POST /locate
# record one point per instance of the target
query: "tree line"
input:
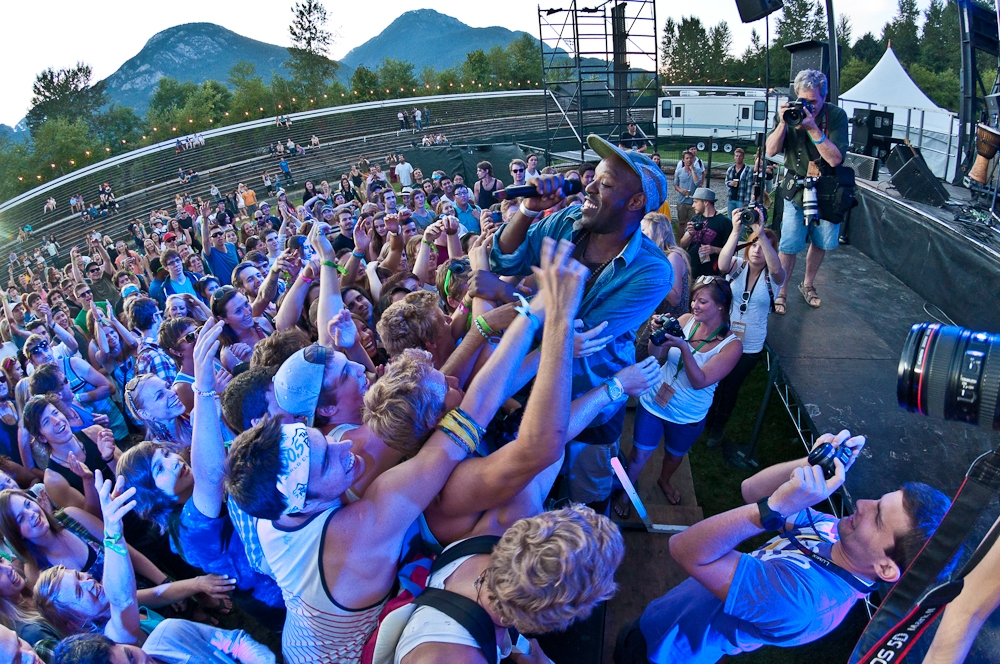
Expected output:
(692, 52)
(71, 123)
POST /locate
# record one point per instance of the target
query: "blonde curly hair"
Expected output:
(410, 322)
(403, 407)
(550, 570)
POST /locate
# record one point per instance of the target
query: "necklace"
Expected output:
(65, 462)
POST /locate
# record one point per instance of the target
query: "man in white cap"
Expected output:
(629, 276)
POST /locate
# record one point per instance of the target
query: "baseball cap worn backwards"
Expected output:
(299, 381)
(654, 182)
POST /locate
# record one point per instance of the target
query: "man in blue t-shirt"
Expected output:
(779, 595)
(220, 256)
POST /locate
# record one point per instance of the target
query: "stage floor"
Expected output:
(841, 360)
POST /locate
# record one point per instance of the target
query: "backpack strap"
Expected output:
(468, 614)
(470, 547)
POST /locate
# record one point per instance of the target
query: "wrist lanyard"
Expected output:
(680, 363)
(832, 567)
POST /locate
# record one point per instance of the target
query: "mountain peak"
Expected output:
(189, 52)
(427, 37)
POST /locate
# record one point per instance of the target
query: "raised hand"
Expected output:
(115, 502)
(550, 188)
(241, 351)
(321, 243)
(640, 377)
(479, 252)
(844, 438)
(80, 469)
(434, 230)
(450, 224)
(589, 342)
(488, 286)
(106, 443)
(363, 236)
(806, 487)
(392, 223)
(560, 279)
(342, 329)
(205, 348)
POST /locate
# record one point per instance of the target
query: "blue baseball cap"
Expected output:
(654, 182)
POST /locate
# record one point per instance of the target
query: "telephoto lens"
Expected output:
(951, 373)
(824, 455)
(793, 114)
(810, 202)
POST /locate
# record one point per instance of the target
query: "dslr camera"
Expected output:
(824, 456)
(670, 326)
(795, 112)
(755, 213)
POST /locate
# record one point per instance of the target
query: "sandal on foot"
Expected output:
(811, 298)
(779, 305)
(622, 506)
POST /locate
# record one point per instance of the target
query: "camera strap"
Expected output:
(680, 363)
(831, 567)
(908, 610)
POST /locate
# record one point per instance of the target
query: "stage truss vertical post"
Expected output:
(599, 68)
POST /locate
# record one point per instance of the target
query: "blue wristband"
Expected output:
(821, 139)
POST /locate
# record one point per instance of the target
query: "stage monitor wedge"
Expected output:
(752, 10)
(900, 154)
(915, 182)
(864, 166)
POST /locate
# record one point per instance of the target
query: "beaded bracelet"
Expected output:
(204, 393)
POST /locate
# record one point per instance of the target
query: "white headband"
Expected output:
(294, 475)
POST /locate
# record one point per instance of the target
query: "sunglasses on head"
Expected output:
(221, 292)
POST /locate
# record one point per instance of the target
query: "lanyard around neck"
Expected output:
(680, 363)
(832, 567)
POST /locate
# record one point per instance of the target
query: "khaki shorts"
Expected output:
(588, 469)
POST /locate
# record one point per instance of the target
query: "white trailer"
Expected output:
(730, 116)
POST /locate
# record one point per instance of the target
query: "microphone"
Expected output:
(570, 187)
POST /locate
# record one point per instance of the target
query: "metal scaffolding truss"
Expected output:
(599, 68)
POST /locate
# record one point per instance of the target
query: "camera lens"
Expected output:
(748, 217)
(951, 373)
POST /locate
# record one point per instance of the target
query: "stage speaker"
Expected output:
(864, 166)
(751, 10)
(869, 126)
(808, 54)
(915, 182)
(900, 154)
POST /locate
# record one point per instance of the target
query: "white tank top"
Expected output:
(317, 629)
(688, 405)
(428, 625)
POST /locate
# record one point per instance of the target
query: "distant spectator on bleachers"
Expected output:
(268, 183)
(314, 141)
(418, 119)
(50, 205)
(271, 149)
(404, 170)
(286, 172)
(283, 120)
(402, 120)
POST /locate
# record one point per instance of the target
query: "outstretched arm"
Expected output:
(119, 577)
(482, 483)
(208, 455)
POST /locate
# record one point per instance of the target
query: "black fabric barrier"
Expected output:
(953, 265)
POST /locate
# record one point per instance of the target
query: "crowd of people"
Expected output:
(379, 419)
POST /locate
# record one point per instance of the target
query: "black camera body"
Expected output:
(795, 112)
(755, 213)
(699, 224)
(670, 326)
(824, 456)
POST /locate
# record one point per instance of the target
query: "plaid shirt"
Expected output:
(150, 358)
(743, 191)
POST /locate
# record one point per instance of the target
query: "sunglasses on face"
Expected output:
(192, 336)
(39, 348)
(85, 293)
(215, 235)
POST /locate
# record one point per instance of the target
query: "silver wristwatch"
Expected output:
(615, 388)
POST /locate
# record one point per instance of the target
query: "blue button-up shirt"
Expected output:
(625, 294)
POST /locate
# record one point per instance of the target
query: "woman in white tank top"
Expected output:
(675, 408)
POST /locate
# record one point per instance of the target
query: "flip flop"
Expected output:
(667, 496)
(779, 305)
(810, 296)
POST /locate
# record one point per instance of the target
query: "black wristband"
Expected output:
(769, 519)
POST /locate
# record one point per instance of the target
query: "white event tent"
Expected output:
(934, 130)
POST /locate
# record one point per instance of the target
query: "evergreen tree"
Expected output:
(940, 50)
(844, 39)
(718, 54)
(396, 76)
(364, 84)
(66, 93)
(867, 49)
(901, 32)
(311, 68)
(525, 59)
(250, 94)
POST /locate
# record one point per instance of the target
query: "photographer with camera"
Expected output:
(696, 352)
(797, 587)
(755, 277)
(705, 234)
(813, 137)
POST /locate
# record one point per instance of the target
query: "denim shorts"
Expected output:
(648, 429)
(794, 232)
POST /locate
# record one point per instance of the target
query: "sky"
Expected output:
(106, 33)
